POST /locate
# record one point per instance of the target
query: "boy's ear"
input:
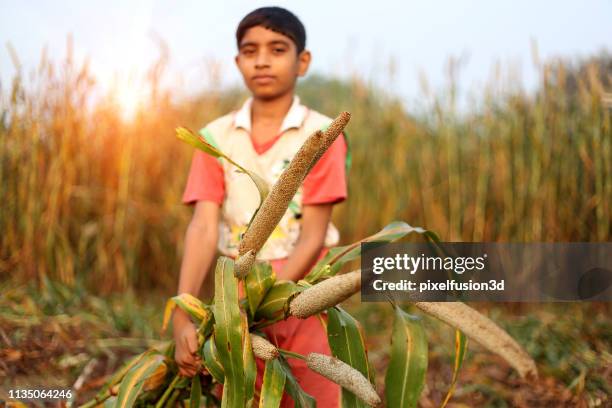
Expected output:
(304, 62)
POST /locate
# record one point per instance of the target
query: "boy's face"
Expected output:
(269, 63)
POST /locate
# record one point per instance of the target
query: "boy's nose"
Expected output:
(262, 60)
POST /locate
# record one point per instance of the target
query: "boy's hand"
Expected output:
(186, 339)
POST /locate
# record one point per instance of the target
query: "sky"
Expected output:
(392, 43)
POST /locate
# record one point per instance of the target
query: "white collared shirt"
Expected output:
(293, 119)
(231, 134)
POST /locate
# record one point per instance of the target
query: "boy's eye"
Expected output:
(279, 50)
(248, 51)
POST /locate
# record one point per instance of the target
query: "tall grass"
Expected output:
(89, 195)
(520, 168)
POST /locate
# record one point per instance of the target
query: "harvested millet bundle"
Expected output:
(262, 348)
(344, 375)
(325, 294)
(483, 330)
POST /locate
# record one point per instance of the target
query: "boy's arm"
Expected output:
(206, 189)
(200, 247)
(315, 219)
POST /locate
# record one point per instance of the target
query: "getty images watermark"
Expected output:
(411, 264)
(505, 272)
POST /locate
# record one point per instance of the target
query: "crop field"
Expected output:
(93, 226)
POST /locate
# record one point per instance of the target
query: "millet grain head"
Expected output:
(274, 206)
(344, 375)
(325, 294)
(262, 348)
(243, 264)
(331, 134)
(483, 330)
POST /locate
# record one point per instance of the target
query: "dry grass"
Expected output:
(89, 196)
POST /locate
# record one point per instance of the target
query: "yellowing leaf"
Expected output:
(273, 385)
(258, 282)
(188, 303)
(134, 380)
(460, 350)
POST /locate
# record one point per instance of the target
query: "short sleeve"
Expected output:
(326, 182)
(205, 181)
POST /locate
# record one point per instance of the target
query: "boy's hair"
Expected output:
(276, 19)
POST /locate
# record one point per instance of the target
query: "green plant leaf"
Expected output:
(301, 398)
(211, 360)
(228, 333)
(110, 403)
(132, 383)
(273, 304)
(198, 142)
(195, 394)
(338, 256)
(460, 351)
(405, 375)
(273, 385)
(258, 282)
(346, 341)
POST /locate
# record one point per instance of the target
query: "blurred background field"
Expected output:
(92, 224)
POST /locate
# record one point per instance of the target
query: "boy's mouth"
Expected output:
(263, 79)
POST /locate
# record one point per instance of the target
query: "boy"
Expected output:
(263, 136)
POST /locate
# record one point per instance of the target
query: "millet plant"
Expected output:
(229, 328)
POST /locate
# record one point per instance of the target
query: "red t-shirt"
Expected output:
(326, 182)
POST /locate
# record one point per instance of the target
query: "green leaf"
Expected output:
(273, 385)
(212, 361)
(228, 333)
(460, 351)
(273, 304)
(132, 383)
(110, 403)
(258, 282)
(196, 392)
(198, 142)
(346, 342)
(300, 397)
(338, 256)
(405, 376)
